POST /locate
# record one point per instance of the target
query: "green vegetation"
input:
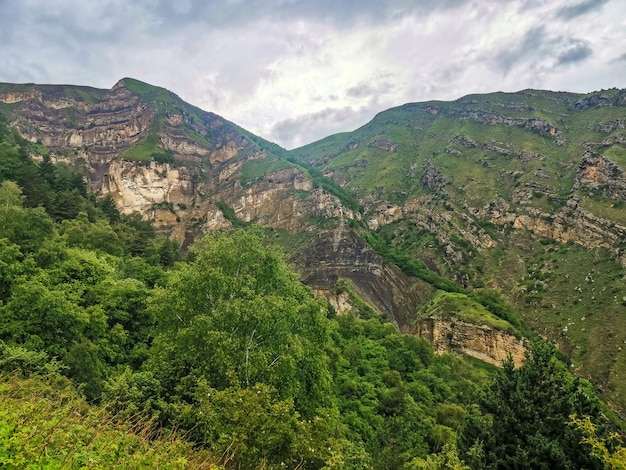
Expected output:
(494, 169)
(456, 305)
(410, 265)
(229, 214)
(162, 98)
(519, 421)
(254, 170)
(44, 423)
(147, 150)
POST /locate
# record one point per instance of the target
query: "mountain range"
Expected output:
(476, 223)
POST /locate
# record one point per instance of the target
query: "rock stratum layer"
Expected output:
(479, 341)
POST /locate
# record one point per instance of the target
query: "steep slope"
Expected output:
(520, 192)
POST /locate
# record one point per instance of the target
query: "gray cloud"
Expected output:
(577, 51)
(295, 132)
(537, 46)
(531, 44)
(343, 13)
(110, 19)
(621, 58)
(297, 70)
(368, 90)
(582, 8)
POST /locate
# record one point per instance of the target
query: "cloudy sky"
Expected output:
(294, 71)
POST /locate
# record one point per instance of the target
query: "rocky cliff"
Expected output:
(160, 157)
(187, 170)
(340, 254)
(479, 341)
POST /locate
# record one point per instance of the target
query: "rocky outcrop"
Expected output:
(599, 100)
(141, 188)
(341, 254)
(479, 341)
(610, 126)
(523, 155)
(274, 201)
(384, 214)
(99, 131)
(569, 224)
(444, 224)
(384, 144)
(432, 178)
(542, 126)
(97, 127)
(597, 172)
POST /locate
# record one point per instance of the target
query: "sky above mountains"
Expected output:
(294, 71)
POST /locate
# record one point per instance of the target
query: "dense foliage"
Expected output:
(231, 350)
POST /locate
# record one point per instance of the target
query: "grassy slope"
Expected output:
(452, 304)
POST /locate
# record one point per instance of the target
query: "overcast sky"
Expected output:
(294, 71)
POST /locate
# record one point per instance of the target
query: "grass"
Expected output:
(540, 279)
(44, 424)
(147, 150)
(447, 305)
(579, 300)
(162, 98)
(606, 208)
(254, 170)
(229, 214)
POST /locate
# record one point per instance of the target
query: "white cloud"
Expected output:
(297, 71)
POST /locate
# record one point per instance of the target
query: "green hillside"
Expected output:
(469, 173)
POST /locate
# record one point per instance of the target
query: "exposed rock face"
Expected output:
(99, 131)
(385, 144)
(479, 341)
(542, 127)
(138, 188)
(610, 126)
(384, 215)
(598, 172)
(273, 201)
(341, 254)
(523, 155)
(570, 223)
(601, 100)
(429, 218)
(432, 179)
(96, 126)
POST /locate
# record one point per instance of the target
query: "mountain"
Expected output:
(474, 223)
(519, 192)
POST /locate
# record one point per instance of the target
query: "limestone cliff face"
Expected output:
(570, 223)
(599, 173)
(479, 341)
(139, 188)
(93, 128)
(98, 131)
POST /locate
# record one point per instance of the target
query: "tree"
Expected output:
(238, 316)
(237, 324)
(523, 414)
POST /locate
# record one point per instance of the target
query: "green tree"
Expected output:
(522, 422)
(236, 322)
(237, 316)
